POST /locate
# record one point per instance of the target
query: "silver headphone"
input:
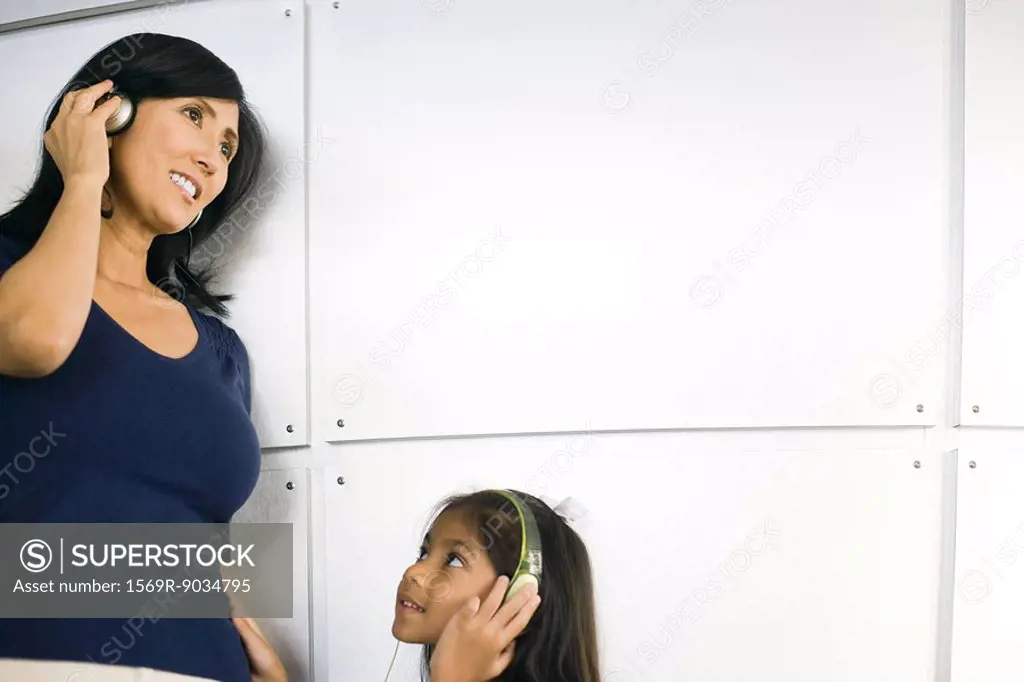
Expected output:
(120, 120)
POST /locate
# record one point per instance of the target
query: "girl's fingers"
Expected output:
(493, 601)
(515, 605)
(518, 623)
(503, 661)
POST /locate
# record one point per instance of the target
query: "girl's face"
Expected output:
(452, 568)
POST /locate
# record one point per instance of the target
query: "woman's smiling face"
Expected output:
(173, 160)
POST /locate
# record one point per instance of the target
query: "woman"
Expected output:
(143, 397)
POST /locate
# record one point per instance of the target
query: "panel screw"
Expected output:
(287, 12)
(975, 409)
(920, 408)
(289, 428)
(290, 485)
(341, 480)
(917, 464)
(973, 464)
(341, 423)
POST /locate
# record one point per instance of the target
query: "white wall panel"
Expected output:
(810, 564)
(283, 496)
(992, 309)
(29, 10)
(644, 215)
(988, 616)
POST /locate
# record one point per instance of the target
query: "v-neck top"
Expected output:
(122, 434)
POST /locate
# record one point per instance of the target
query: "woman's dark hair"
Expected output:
(153, 65)
(560, 642)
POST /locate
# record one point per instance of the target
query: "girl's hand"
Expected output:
(77, 139)
(478, 642)
(263, 660)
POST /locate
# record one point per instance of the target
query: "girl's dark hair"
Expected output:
(153, 65)
(560, 642)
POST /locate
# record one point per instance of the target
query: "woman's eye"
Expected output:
(455, 557)
(194, 114)
(226, 150)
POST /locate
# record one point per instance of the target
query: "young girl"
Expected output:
(450, 599)
(475, 540)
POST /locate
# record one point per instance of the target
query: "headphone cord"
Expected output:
(393, 656)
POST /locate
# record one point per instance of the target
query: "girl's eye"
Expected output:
(226, 150)
(421, 554)
(198, 115)
(455, 557)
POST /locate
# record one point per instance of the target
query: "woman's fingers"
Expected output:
(84, 100)
(256, 646)
(256, 626)
(107, 109)
(264, 662)
(250, 625)
(245, 629)
(77, 140)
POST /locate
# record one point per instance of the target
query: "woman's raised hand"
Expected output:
(77, 139)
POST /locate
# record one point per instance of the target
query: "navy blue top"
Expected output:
(124, 434)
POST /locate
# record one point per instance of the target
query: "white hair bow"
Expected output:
(569, 509)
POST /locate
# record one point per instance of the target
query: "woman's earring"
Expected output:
(195, 220)
(106, 207)
(188, 254)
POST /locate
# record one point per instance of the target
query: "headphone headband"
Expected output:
(530, 565)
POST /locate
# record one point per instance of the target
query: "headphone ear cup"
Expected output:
(521, 581)
(121, 119)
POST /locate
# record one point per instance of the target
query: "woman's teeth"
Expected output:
(184, 183)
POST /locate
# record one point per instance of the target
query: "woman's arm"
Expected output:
(46, 295)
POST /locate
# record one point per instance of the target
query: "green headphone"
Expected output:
(530, 557)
